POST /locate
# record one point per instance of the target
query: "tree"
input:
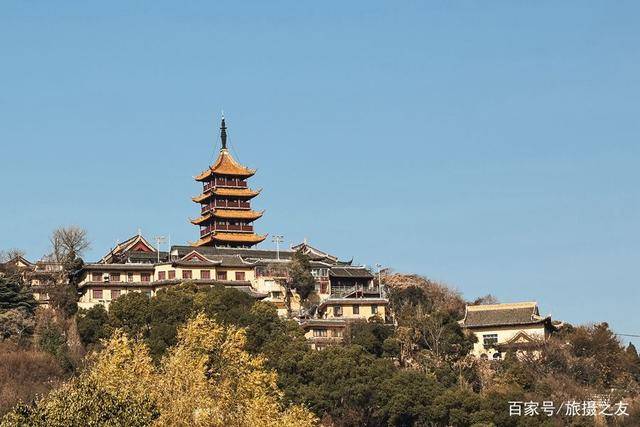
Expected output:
(11, 254)
(51, 336)
(485, 300)
(131, 312)
(206, 379)
(341, 385)
(68, 243)
(16, 324)
(370, 335)
(406, 398)
(93, 325)
(82, 402)
(64, 298)
(299, 272)
(13, 295)
(219, 383)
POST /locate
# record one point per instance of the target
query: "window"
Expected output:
(129, 277)
(221, 275)
(319, 332)
(172, 274)
(239, 275)
(162, 275)
(115, 293)
(186, 274)
(97, 294)
(490, 339)
(276, 294)
(337, 333)
(96, 277)
(356, 309)
(205, 274)
(374, 309)
(145, 277)
(114, 277)
(337, 311)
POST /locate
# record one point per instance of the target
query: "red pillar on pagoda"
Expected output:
(225, 203)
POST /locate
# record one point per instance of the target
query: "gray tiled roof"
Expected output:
(359, 273)
(502, 314)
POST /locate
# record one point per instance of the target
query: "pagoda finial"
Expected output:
(223, 133)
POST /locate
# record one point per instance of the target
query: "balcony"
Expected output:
(225, 182)
(238, 204)
(233, 228)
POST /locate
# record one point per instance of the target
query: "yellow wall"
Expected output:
(505, 333)
(87, 300)
(347, 311)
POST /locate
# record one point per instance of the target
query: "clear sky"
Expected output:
(490, 145)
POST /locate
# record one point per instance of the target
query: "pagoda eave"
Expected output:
(209, 173)
(236, 238)
(237, 214)
(236, 192)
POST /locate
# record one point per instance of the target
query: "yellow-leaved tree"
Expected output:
(206, 379)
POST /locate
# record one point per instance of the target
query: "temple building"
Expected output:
(225, 203)
(500, 328)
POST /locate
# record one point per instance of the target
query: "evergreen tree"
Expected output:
(13, 295)
(302, 281)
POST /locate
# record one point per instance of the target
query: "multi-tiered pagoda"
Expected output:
(227, 217)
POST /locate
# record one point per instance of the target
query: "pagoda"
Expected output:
(226, 216)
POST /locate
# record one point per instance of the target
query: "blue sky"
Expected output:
(493, 146)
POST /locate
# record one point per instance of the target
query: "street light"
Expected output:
(159, 239)
(277, 239)
(379, 267)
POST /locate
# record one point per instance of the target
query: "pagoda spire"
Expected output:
(223, 133)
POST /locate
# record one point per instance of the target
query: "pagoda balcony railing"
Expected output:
(231, 204)
(222, 182)
(229, 227)
(219, 227)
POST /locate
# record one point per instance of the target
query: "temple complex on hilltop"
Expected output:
(225, 256)
(226, 216)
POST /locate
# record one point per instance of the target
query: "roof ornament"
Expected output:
(223, 133)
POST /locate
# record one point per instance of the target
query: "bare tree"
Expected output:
(11, 254)
(485, 300)
(68, 242)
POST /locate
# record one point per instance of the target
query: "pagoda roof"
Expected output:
(229, 214)
(230, 192)
(225, 164)
(236, 192)
(248, 238)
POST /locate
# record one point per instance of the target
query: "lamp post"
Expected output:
(277, 239)
(379, 267)
(159, 239)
